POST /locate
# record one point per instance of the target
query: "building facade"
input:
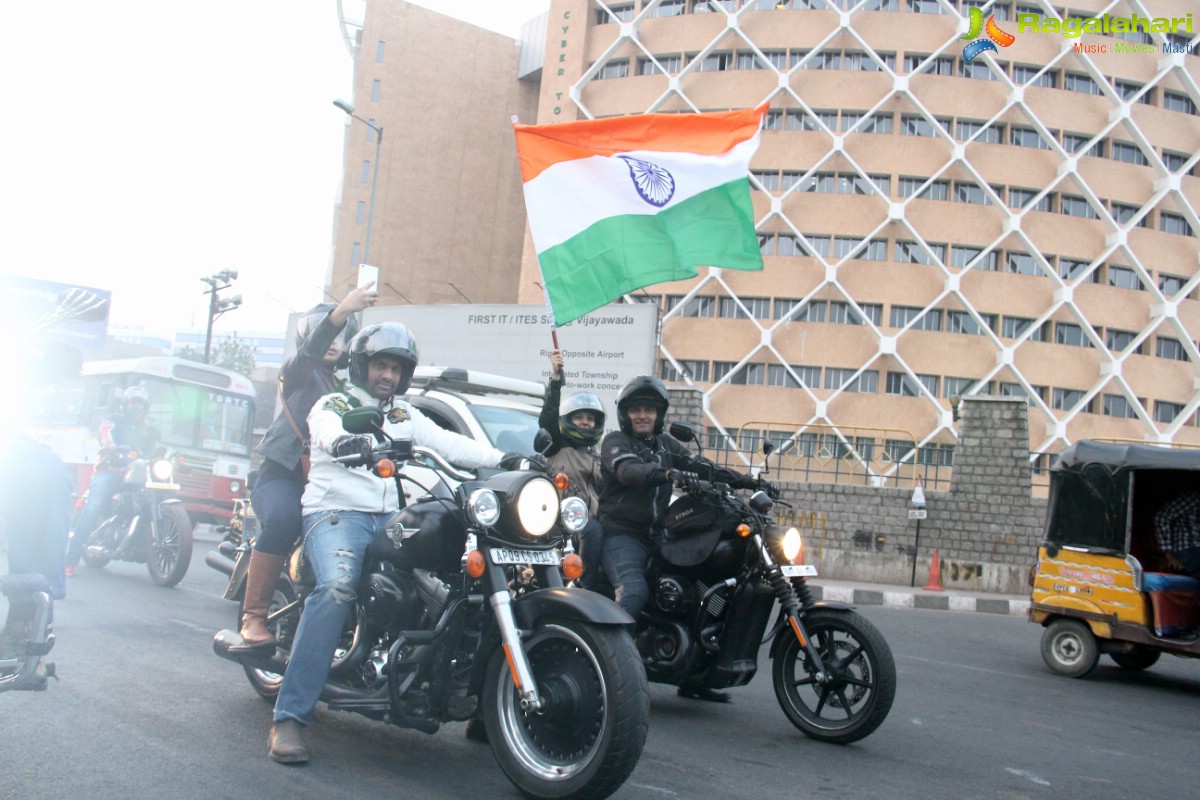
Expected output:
(944, 209)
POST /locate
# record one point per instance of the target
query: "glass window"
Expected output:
(716, 62)
(979, 70)
(970, 193)
(1170, 285)
(1124, 213)
(1166, 347)
(915, 125)
(749, 60)
(749, 375)
(1077, 143)
(669, 8)
(355, 254)
(1031, 75)
(922, 319)
(1024, 198)
(1067, 399)
(721, 369)
(759, 308)
(867, 381)
(1174, 161)
(364, 175)
(843, 313)
(768, 180)
(1070, 268)
(360, 212)
(1176, 101)
(696, 370)
(963, 322)
(1078, 82)
(1015, 327)
(777, 59)
(812, 311)
(1021, 263)
(1026, 137)
(379, 46)
(899, 383)
(1166, 412)
(962, 256)
(1124, 278)
(614, 69)
(819, 244)
(1117, 340)
(1174, 223)
(1129, 153)
(1075, 206)
(622, 13)
(913, 253)
(810, 375)
(965, 129)
(375, 91)
(1070, 333)
(1117, 405)
(696, 307)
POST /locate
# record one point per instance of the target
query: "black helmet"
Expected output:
(581, 401)
(383, 339)
(311, 318)
(647, 389)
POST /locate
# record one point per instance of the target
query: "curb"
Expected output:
(910, 599)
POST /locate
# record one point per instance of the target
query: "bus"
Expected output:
(204, 414)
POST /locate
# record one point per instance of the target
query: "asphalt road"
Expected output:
(144, 710)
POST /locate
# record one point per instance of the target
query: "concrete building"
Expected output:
(934, 223)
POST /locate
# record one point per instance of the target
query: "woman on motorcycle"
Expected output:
(321, 337)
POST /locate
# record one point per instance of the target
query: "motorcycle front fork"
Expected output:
(510, 638)
(790, 610)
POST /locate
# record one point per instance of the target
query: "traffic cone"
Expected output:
(935, 574)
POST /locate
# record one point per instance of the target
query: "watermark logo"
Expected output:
(995, 36)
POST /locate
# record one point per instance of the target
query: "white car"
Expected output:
(491, 408)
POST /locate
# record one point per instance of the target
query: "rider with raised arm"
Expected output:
(344, 509)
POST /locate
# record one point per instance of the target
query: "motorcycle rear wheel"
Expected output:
(170, 546)
(590, 736)
(265, 682)
(858, 699)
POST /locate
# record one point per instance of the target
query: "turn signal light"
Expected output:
(561, 481)
(386, 468)
(572, 567)
(475, 564)
(743, 531)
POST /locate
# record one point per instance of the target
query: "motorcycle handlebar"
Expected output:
(402, 453)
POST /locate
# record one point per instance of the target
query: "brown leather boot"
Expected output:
(285, 744)
(261, 578)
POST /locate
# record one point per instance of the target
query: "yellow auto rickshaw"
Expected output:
(1101, 583)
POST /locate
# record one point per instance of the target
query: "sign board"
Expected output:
(601, 350)
(916, 513)
(37, 308)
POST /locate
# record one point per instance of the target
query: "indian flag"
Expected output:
(620, 203)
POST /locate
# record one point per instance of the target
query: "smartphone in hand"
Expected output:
(368, 276)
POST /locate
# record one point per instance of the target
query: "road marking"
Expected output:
(1020, 773)
(190, 625)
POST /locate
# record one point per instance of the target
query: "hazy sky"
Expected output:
(149, 143)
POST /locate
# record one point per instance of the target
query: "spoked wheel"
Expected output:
(264, 681)
(170, 545)
(1069, 648)
(589, 737)
(107, 536)
(861, 684)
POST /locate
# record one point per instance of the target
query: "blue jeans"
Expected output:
(276, 503)
(624, 560)
(95, 509)
(334, 544)
(591, 550)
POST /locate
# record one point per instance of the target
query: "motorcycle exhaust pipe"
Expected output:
(219, 562)
(228, 645)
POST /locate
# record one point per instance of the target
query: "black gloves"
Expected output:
(352, 446)
(745, 482)
(512, 460)
(683, 479)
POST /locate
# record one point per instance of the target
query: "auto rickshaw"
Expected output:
(1101, 583)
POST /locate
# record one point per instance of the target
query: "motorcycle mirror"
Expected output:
(684, 431)
(367, 419)
(542, 441)
(767, 448)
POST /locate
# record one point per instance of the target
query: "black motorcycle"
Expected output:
(149, 524)
(446, 628)
(721, 568)
(28, 634)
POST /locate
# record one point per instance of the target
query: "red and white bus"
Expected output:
(205, 417)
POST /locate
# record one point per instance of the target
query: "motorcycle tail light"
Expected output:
(475, 564)
(561, 481)
(572, 567)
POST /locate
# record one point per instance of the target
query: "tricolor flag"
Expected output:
(620, 203)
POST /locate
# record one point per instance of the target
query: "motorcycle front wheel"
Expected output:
(170, 546)
(862, 677)
(589, 737)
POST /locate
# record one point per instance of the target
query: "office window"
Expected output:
(749, 375)
(375, 91)
(1166, 347)
(371, 128)
(962, 256)
(1078, 82)
(963, 322)
(970, 193)
(1067, 399)
(952, 386)
(1117, 405)
(853, 183)
(1170, 285)
(360, 212)
(696, 370)
(768, 179)
(669, 8)
(759, 307)
(922, 320)
(819, 244)
(1070, 333)
(1024, 198)
(614, 69)
(1124, 278)
(355, 254)
(1075, 206)
(1174, 161)
(842, 313)
(1123, 213)
(900, 384)
(620, 13)
(915, 125)
(1070, 268)
(1015, 327)
(1176, 101)
(716, 62)
(813, 311)
(1077, 143)
(696, 307)
(777, 59)
(749, 60)
(867, 382)
(1117, 340)
(936, 190)
(1033, 76)
(965, 129)
(1008, 389)
(379, 46)
(1021, 264)
(1166, 412)
(1127, 90)
(912, 253)
(1174, 223)
(880, 122)
(810, 375)
(364, 175)
(721, 369)
(1026, 137)
(825, 182)
(1129, 153)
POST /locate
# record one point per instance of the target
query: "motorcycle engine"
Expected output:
(674, 595)
(391, 601)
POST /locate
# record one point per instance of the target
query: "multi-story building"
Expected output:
(935, 223)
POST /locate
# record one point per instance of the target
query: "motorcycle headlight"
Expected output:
(537, 507)
(786, 544)
(574, 514)
(484, 507)
(161, 470)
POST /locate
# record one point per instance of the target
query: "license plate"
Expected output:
(506, 555)
(799, 571)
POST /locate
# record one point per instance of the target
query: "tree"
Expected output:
(228, 352)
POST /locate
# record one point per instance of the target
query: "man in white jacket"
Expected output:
(344, 509)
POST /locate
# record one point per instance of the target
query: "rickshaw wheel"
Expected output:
(1138, 658)
(1069, 648)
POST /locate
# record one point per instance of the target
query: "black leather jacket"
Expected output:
(635, 489)
(306, 378)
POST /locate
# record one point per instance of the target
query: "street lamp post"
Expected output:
(218, 305)
(349, 109)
